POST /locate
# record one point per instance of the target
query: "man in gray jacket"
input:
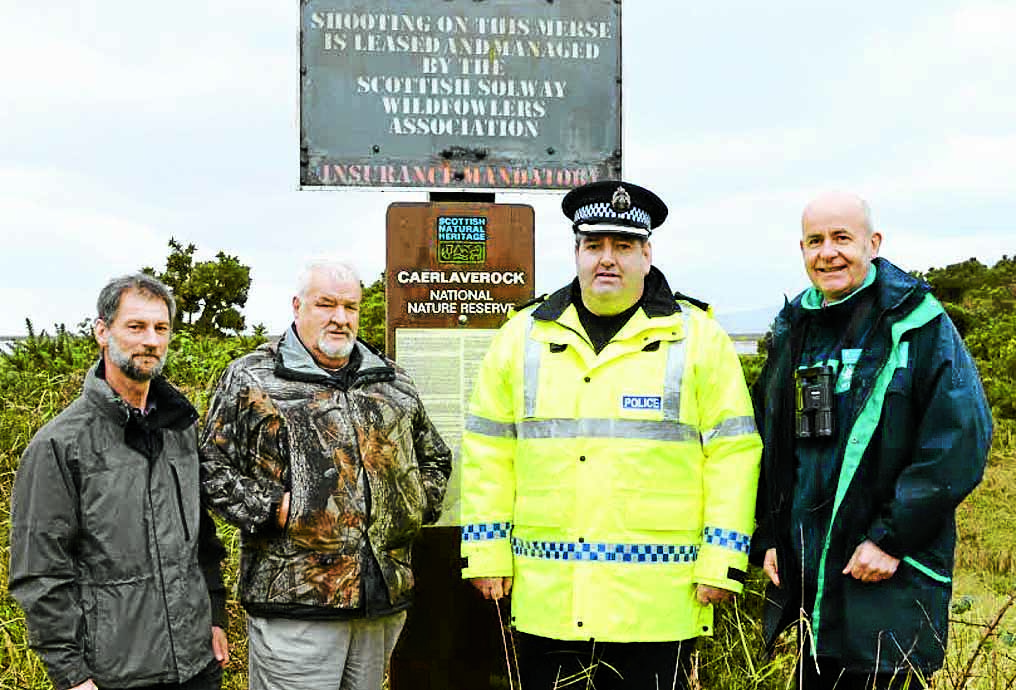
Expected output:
(318, 447)
(113, 559)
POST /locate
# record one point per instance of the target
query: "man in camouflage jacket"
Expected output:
(318, 448)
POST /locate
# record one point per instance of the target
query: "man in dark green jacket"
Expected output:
(113, 559)
(875, 427)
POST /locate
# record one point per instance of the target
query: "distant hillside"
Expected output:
(748, 321)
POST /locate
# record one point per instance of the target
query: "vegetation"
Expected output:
(372, 313)
(43, 373)
(982, 304)
(209, 294)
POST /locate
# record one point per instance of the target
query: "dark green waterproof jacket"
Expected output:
(915, 446)
(113, 559)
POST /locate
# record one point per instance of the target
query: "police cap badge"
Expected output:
(614, 207)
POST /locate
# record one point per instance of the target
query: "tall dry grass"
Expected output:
(981, 649)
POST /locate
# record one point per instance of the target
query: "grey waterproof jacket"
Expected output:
(106, 541)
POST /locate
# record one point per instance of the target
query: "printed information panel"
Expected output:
(444, 364)
(520, 94)
(454, 271)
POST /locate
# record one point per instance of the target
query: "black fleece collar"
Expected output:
(170, 409)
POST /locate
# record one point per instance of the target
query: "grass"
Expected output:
(981, 652)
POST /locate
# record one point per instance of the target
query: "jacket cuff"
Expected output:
(721, 567)
(760, 543)
(70, 675)
(881, 537)
(487, 559)
(272, 503)
(218, 602)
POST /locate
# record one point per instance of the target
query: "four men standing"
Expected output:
(609, 462)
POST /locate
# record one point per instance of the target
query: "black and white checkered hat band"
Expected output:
(603, 211)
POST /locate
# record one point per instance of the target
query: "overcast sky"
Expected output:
(126, 123)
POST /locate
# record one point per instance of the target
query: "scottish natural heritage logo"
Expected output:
(462, 239)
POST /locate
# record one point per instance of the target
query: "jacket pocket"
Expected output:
(661, 511)
(180, 502)
(898, 414)
(538, 509)
(898, 622)
(129, 635)
(405, 503)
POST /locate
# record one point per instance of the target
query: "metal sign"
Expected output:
(493, 94)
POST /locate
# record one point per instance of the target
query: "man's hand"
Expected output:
(770, 567)
(283, 510)
(87, 685)
(220, 645)
(870, 563)
(712, 595)
(493, 587)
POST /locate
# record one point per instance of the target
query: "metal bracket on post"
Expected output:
(468, 197)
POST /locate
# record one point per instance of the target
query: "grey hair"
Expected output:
(339, 269)
(110, 296)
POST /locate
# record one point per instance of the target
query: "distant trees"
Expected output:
(372, 313)
(209, 294)
(982, 303)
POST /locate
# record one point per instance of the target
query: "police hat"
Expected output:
(614, 207)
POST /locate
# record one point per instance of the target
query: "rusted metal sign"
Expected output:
(494, 94)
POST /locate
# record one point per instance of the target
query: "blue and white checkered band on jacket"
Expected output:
(603, 211)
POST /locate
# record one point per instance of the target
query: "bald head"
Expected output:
(842, 207)
(838, 243)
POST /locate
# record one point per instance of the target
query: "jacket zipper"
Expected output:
(158, 565)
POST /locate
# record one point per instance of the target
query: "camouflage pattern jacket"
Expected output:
(365, 467)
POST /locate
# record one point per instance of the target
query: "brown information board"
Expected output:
(453, 272)
(456, 264)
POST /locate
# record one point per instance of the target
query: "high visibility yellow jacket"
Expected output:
(609, 485)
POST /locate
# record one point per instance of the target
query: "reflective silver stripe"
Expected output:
(531, 370)
(607, 428)
(488, 427)
(734, 426)
(674, 373)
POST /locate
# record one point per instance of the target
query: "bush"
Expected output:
(42, 374)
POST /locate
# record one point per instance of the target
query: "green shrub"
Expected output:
(42, 374)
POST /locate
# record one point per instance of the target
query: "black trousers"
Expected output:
(831, 675)
(547, 664)
(210, 678)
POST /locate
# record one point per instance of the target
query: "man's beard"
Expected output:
(125, 363)
(336, 351)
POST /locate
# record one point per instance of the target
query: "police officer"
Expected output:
(609, 462)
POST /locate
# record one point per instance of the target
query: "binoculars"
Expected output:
(814, 413)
